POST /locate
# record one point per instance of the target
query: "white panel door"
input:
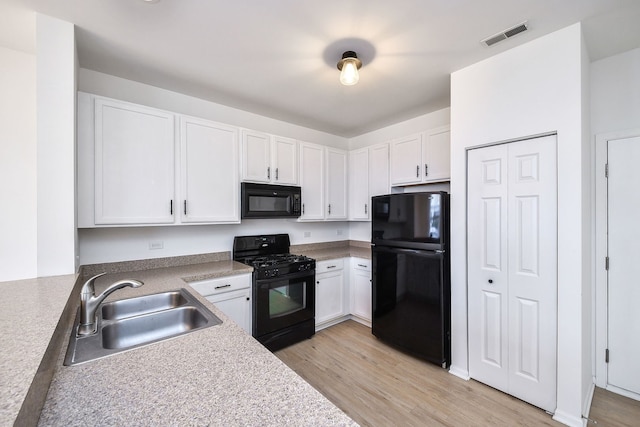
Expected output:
(512, 261)
(623, 369)
(256, 156)
(312, 181)
(487, 264)
(210, 178)
(532, 231)
(134, 164)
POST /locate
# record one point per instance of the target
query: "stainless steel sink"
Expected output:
(142, 305)
(131, 323)
(152, 327)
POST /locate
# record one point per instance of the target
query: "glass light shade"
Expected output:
(349, 74)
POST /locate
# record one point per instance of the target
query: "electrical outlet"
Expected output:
(156, 245)
(307, 234)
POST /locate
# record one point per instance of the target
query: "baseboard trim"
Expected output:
(460, 373)
(568, 419)
(587, 403)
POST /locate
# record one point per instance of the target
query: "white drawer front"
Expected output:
(329, 265)
(361, 264)
(222, 284)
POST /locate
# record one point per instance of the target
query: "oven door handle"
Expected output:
(300, 274)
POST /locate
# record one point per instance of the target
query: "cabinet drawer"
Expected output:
(222, 284)
(329, 265)
(362, 264)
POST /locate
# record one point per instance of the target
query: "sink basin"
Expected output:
(151, 327)
(142, 305)
(131, 323)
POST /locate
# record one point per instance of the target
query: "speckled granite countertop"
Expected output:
(333, 250)
(29, 312)
(215, 376)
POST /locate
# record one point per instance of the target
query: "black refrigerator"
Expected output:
(411, 294)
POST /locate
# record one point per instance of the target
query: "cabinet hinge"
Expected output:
(606, 356)
(606, 263)
(606, 170)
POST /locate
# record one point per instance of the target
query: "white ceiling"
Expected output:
(278, 58)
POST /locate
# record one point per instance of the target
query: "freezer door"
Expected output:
(411, 307)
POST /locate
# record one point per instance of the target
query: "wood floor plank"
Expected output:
(377, 385)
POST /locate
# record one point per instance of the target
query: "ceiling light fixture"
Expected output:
(349, 66)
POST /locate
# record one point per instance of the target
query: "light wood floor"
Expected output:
(379, 386)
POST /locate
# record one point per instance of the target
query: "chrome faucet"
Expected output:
(89, 303)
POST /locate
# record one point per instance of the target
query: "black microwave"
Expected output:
(270, 201)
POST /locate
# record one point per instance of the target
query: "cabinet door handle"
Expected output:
(171, 207)
(248, 298)
(303, 209)
(276, 174)
(418, 171)
(365, 209)
(185, 207)
(268, 172)
(223, 286)
(426, 170)
(329, 208)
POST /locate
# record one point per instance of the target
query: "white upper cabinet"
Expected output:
(405, 157)
(209, 166)
(368, 176)
(379, 170)
(269, 159)
(284, 168)
(134, 164)
(359, 185)
(437, 154)
(420, 158)
(256, 156)
(312, 181)
(336, 184)
(132, 171)
(323, 178)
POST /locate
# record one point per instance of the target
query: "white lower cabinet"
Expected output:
(331, 293)
(232, 295)
(360, 286)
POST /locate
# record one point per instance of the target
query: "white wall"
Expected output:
(615, 108)
(56, 95)
(127, 90)
(18, 174)
(531, 89)
(418, 124)
(615, 93)
(120, 244)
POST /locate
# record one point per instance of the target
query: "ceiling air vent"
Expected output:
(503, 35)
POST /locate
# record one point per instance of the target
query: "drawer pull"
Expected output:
(223, 286)
(331, 266)
(362, 265)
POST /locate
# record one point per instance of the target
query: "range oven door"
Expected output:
(283, 302)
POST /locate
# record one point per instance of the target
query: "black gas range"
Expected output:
(283, 289)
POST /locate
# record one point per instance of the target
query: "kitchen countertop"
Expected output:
(29, 313)
(215, 376)
(333, 250)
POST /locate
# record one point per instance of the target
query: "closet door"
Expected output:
(512, 262)
(487, 264)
